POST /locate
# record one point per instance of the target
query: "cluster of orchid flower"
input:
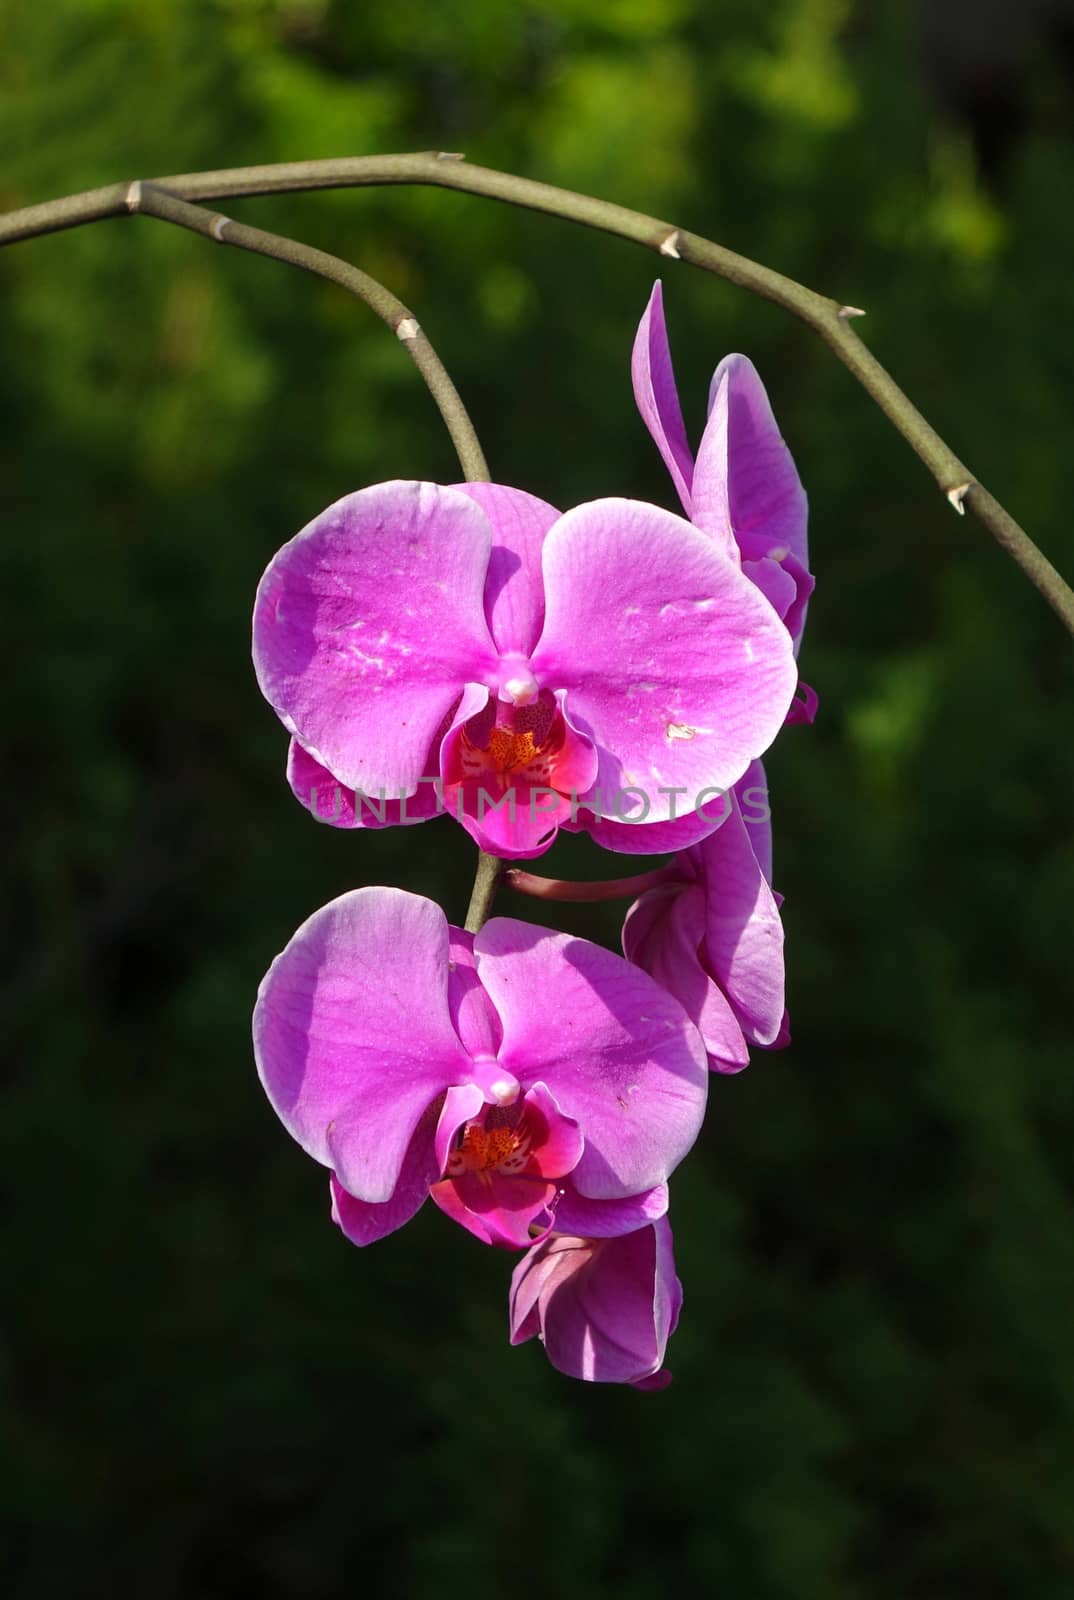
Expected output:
(617, 669)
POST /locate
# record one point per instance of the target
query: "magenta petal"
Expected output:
(557, 1140)
(515, 820)
(775, 583)
(603, 1219)
(514, 591)
(751, 798)
(743, 931)
(674, 664)
(795, 616)
(657, 397)
(618, 1053)
(499, 1212)
(656, 838)
(473, 1015)
(663, 933)
(332, 802)
(745, 480)
(363, 1223)
(604, 1308)
(369, 623)
(446, 1196)
(804, 705)
(352, 1033)
(461, 1102)
(768, 505)
(576, 762)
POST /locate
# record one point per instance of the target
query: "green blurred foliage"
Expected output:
(207, 1393)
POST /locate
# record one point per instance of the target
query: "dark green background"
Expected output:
(207, 1393)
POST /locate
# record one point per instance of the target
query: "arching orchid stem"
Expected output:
(153, 201)
(599, 889)
(830, 318)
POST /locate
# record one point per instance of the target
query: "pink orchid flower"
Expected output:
(743, 489)
(517, 1076)
(712, 935)
(604, 1309)
(470, 649)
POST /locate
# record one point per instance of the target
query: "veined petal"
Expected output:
(460, 1104)
(751, 798)
(663, 933)
(775, 583)
(341, 807)
(499, 1213)
(363, 1223)
(473, 1015)
(745, 480)
(618, 1054)
(657, 397)
(655, 838)
(514, 591)
(507, 816)
(673, 662)
(353, 1036)
(605, 1308)
(604, 1219)
(369, 623)
(332, 802)
(743, 933)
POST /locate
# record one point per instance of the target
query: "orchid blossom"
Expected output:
(471, 649)
(520, 1076)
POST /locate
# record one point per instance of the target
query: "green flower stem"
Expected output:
(487, 880)
(154, 201)
(448, 171)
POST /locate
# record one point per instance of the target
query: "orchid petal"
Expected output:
(673, 662)
(461, 1103)
(353, 1036)
(333, 802)
(514, 594)
(803, 706)
(656, 838)
(499, 1213)
(743, 932)
(473, 1015)
(745, 481)
(775, 583)
(662, 934)
(618, 1054)
(603, 1219)
(509, 818)
(557, 1141)
(604, 1308)
(363, 1223)
(369, 623)
(657, 397)
(751, 798)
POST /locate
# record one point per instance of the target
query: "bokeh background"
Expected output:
(206, 1392)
